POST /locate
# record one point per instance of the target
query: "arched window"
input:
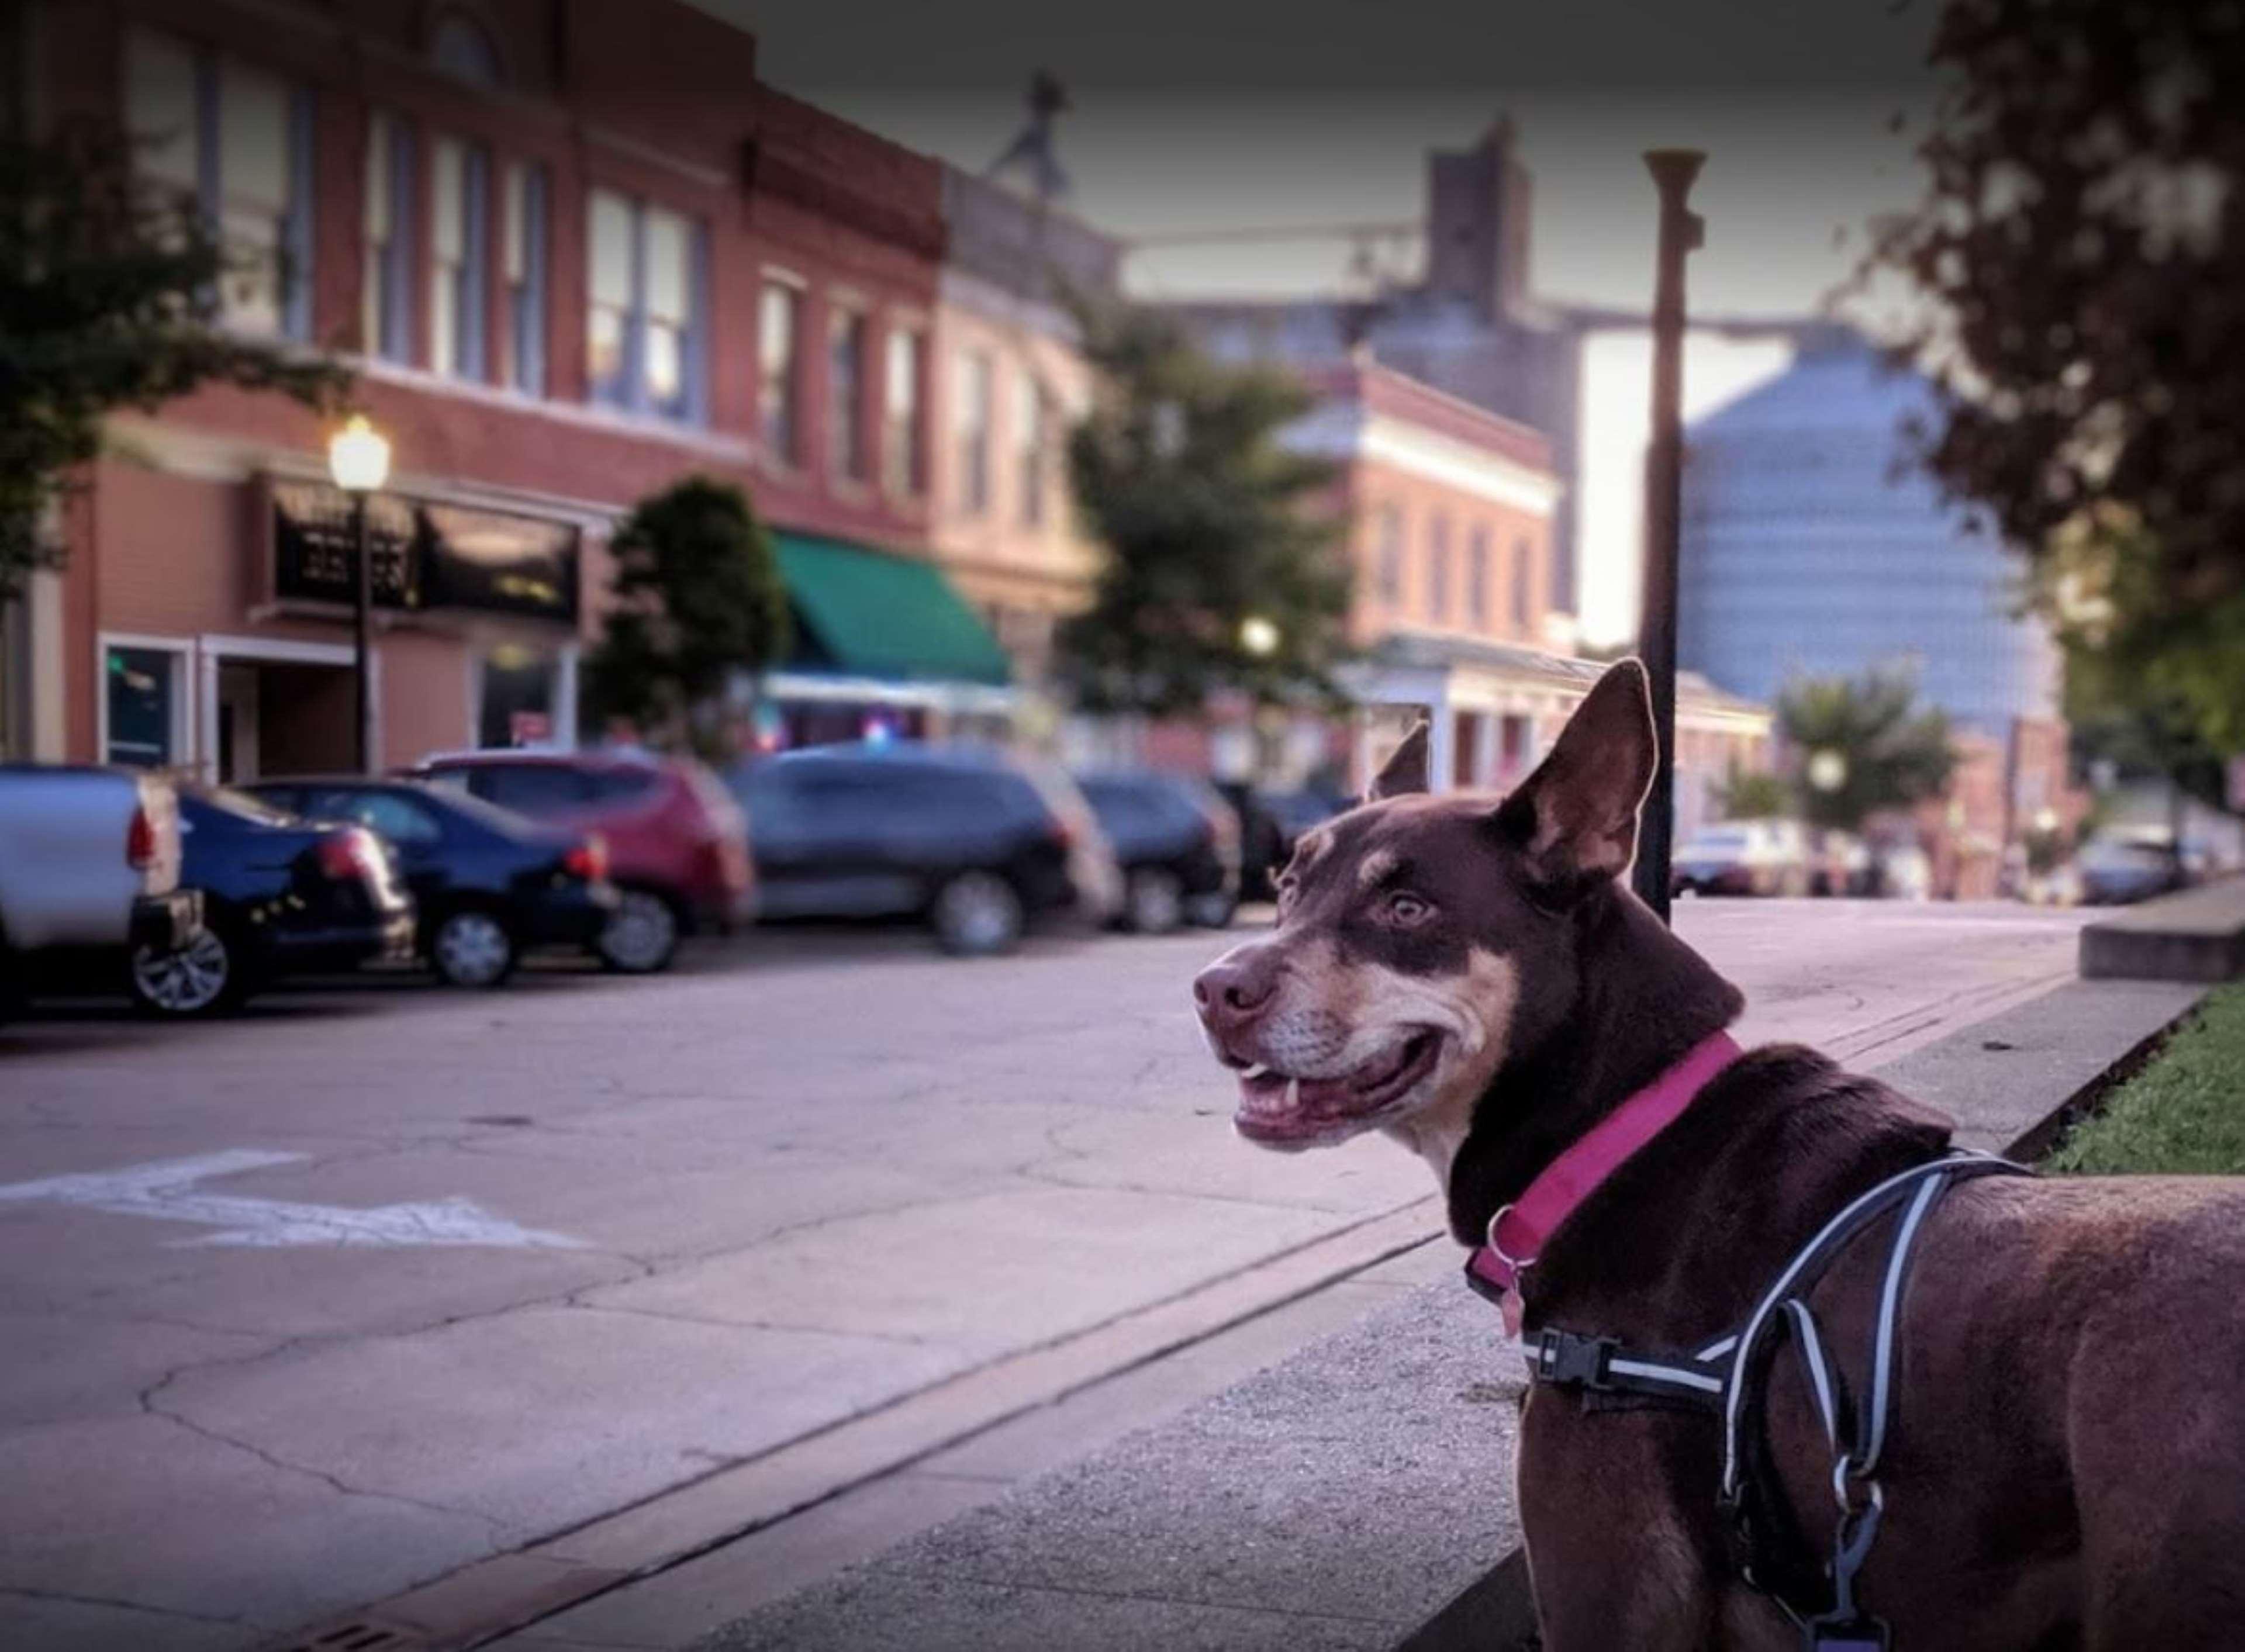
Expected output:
(464, 48)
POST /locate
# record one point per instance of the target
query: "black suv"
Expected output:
(972, 840)
(1178, 844)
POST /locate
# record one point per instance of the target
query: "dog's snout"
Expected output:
(1234, 990)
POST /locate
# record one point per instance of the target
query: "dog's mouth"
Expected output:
(1280, 1109)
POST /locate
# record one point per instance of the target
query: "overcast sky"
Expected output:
(1192, 116)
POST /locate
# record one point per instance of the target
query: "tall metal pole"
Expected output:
(362, 607)
(1673, 171)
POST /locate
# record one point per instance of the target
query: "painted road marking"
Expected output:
(165, 1191)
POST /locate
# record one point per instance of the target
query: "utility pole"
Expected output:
(1681, 230)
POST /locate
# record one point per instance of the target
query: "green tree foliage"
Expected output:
(1754, 794)
(1209, 523)
(698, 599)
(1864, 745)
(109, 297)
(2084, 236)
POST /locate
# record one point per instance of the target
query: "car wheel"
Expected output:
(976, 914)
(642, 935)
(1153, 902)
(1213, 911)
(200, 979)
(471, 948)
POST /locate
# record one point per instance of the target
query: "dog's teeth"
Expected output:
(1293, 1092)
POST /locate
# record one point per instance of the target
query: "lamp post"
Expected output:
(358, 459)
(1673, 171)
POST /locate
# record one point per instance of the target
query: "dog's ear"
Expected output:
(1575, 817)
(1404, 772)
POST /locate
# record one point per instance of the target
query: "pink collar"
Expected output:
(1517, 1233)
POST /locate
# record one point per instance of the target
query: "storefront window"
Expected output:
(519, 696)
(144, 704)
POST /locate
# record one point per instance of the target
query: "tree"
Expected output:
(2084, 238)
(1864, 746)
(1223, 570)
(699, 602)
(1754, 794)
(111, 289)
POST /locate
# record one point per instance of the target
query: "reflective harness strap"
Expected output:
(1729, 1376)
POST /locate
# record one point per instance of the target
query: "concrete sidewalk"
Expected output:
(1187, 1529)
(1355, 1496)
(2192, 935)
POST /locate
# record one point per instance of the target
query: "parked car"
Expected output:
(971, 840)
(1742, 857)
(678, 844)
(488, 884)
(1177, 842)
(89, 875)
(2116, 871)
(1270, 822)
(280, 895)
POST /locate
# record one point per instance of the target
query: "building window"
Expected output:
(146, 706)
(1033, 421)
(458, 239)
(845, 392)
(522, 252)
(779, 326)
(1523, 585)
(1438, 568)
(464, 48)
(976, 380)
(385, 297)
(643, 321)
(1387, 556)
(900, 393)
(1477, 577)
(239, 143)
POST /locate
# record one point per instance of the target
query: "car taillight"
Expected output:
(587, 860)
(140, 840)
(350, 854)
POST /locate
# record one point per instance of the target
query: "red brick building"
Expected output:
(574, 251)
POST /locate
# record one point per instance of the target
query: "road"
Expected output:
(372, 1283)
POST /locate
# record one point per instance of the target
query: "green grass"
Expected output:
(2184, 1114)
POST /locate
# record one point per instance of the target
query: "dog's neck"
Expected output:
(1645, 999)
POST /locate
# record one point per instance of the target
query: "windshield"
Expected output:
(241, 805)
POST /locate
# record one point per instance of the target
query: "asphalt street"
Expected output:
(375, 1282)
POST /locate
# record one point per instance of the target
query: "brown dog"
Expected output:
(2065, 1460)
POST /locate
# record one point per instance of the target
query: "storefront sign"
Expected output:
(425, 555)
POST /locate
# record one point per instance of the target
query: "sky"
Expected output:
(1232, 114)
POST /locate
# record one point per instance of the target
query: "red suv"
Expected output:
(677, 843)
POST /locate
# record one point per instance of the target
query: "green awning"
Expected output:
(867, 613)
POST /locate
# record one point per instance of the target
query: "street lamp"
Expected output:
(1258, 636)
(358, 459)
(1828, 770)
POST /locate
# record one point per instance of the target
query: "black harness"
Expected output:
(1729, 1379)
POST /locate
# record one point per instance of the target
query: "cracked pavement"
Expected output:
(812, 1173)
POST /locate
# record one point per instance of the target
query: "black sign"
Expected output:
(425, 555)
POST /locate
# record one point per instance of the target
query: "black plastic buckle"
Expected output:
(1570, 1360)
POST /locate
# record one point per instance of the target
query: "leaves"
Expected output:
(1209, 522)
(1865, 745)
(2084, 238)
(699, 600)
(108, 299)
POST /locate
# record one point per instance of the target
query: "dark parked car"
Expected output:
(488, 884)
(2115, 871)
(281, 895)
(973, 842)
(1270, 821)
(678, 848)
(1177, 842)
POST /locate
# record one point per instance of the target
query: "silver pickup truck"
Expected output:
(89, 869)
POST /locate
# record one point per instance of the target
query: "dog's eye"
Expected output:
(1405, 909)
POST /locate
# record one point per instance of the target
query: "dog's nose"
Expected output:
(1234, 991)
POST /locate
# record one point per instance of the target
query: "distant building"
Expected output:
(1467, 326)
(1811, 547)
(1011, 380)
